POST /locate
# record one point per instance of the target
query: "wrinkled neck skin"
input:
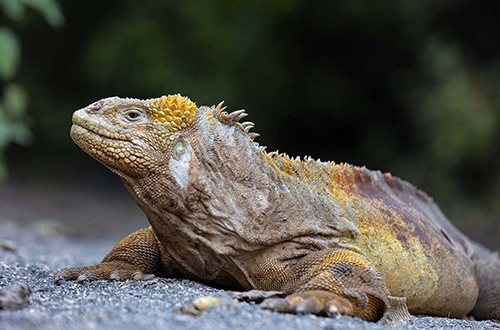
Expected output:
(232, 202)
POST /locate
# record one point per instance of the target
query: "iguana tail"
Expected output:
(487, 268)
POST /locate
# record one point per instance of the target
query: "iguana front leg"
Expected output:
(133, 257)
(334, 282)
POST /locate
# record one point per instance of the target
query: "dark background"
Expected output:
(408, 87)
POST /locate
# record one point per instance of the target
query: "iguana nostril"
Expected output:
(95, 106)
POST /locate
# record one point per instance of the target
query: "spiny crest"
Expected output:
(173, 112)
(234, 117)
(284, 162)
(298, 167)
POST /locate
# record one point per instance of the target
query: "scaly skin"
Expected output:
(334, 238)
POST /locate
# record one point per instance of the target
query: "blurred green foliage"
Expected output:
(410, 87)
(14, 99)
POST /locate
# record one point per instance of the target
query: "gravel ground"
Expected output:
(154, 304)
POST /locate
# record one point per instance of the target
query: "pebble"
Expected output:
(16, 297)
(8, 245)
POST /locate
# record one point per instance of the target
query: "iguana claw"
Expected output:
(256, 295)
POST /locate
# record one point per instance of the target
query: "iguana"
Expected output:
(334, 238)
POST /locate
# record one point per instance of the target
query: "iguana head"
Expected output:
(132, 136)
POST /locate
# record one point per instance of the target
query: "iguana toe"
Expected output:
(115, 275)
(140, 276)
(316, 302)
(279, 305)
(82, 279)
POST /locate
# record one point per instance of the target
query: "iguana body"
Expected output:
(334, 238)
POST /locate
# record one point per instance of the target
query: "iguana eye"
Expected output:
(132, 115)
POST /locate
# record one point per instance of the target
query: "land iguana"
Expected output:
(333, 238)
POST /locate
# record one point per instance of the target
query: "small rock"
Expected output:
(199, 305)
(203, 303)
(16, 297)
(8, 245)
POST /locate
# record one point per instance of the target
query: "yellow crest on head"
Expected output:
(173, 112)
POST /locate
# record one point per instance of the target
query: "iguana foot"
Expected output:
(111, 270)
(329, 283)
(135, 257)
(317, 302)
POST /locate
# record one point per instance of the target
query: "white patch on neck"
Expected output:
(180, 167)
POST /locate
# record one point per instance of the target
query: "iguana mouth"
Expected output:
(98, 130)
